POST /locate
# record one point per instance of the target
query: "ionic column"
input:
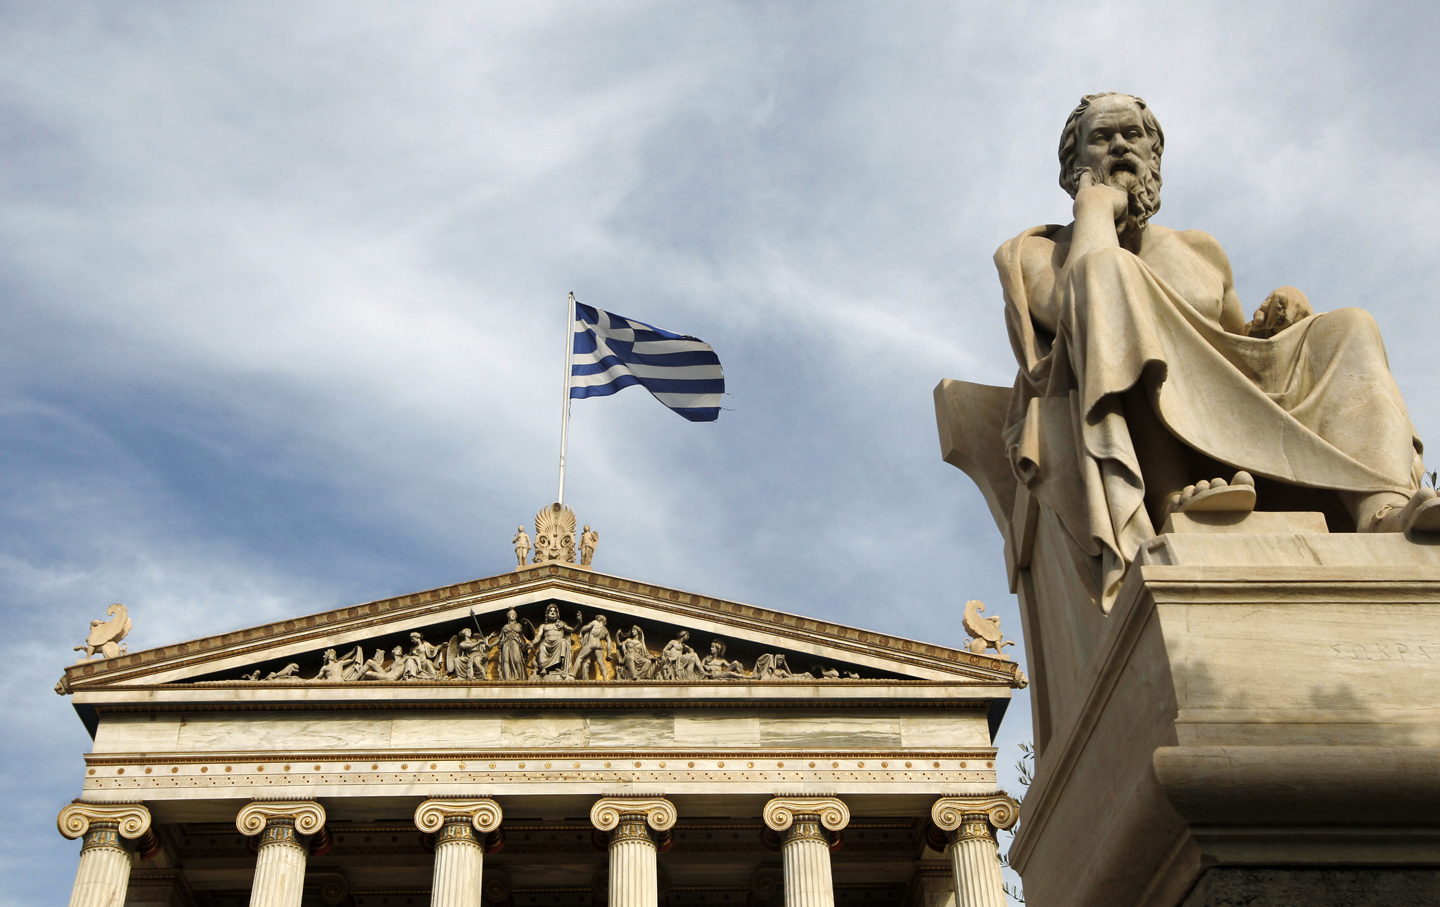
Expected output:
(633, 881)
(284, 829)
(104, 871)
(805, 848)
(971, 823)
(459, 852)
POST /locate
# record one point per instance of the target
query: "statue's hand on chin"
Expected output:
(1094, 199)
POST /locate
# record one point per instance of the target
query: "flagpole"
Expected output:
(565, 398)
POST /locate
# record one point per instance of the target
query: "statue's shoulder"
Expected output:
(1202, 243)
(1034, 249)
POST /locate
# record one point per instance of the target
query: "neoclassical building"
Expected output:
(550, 737)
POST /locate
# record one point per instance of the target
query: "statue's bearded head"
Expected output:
(1117, 139)
(552, 613)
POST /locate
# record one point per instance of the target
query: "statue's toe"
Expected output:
(1218, 495)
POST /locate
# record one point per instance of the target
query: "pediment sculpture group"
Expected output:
(556, 650)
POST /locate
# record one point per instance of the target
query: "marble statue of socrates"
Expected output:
(1141, 382)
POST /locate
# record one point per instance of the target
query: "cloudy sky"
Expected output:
(283, 287)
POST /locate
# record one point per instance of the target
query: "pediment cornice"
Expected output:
(591, 591)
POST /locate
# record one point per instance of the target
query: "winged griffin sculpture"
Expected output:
(985, 630)
(105, 635)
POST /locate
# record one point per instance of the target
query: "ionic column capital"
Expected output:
(308, 816)
(998, 809)
(131, 819)
(484, 814)
(659, 813)
(780, 812)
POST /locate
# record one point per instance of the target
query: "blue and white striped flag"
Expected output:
(611, 352)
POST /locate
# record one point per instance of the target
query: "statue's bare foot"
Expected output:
(1420, 514)
(1215, 496)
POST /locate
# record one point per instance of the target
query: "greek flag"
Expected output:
(611, 352)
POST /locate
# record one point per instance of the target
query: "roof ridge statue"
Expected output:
(1143, 389)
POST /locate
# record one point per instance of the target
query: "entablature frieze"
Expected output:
(316, 775)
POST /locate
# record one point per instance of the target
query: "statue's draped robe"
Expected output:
(1313, 406)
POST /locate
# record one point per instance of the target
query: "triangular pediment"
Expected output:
(466, 638)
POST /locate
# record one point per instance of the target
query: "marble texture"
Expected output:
(975, 861)
(279, 875)
(459, 868)
(102, 877)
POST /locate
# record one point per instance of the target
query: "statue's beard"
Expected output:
(1143, 188)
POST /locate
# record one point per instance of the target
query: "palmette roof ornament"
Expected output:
(555, 539)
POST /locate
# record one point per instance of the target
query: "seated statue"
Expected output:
(1143, 390)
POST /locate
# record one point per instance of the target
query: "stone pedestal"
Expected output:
(284, 830)
(104, 872)
(633, 873)
(459, 827)
(805, 848)
(1252, 721)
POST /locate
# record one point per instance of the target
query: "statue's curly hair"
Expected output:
(1070, 139)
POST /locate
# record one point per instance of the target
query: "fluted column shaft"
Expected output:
(459, 862)
(975, 860)
(280, 866)
(632, 864)
(805, 854)
(459, 827)
(104, 872)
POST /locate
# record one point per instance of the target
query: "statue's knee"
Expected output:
(1351, 323)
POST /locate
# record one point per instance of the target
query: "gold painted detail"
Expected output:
(632, 827)
(805, 828)
(102, 834)
(279, 830)
(974, 827)
(456, 830)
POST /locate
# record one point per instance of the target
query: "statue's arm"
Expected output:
(1041, 259)
(1232, 316)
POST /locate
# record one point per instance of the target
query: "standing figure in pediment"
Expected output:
(420, 664)
(511, 645)
(634, 661)
(552, 646)
(716, 667)
(678, 661)
(594, 646)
